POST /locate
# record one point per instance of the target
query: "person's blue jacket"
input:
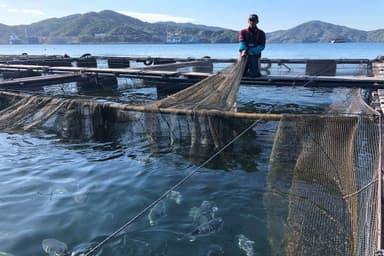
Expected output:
(252, 41)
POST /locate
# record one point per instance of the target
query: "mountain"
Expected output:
(317, 31)
(376, 36)
(112, 27)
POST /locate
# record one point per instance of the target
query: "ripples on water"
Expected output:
(78, 192)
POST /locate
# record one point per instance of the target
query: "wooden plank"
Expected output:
(177, 59)
(174, 73)
(174, 65)
(317, 81)
(306, 78)
(121, 106)
(22, 67)
(40, 80)
(117, 71)
(304, 61)
(196, 74)
(284, 80)
(201, 112)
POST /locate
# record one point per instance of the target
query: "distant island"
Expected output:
(107, 27)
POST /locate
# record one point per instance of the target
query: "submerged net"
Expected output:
(323, 195)
(324, 180)
(218, 92)
(324, 177)
(77, 118)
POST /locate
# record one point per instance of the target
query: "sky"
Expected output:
(273, 14)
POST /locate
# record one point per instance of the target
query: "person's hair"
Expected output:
(253, 17)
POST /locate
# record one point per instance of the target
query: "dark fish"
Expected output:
(214, 250)
(160, 209)
(175, 196)
(157, 212)
(204, 213)
(246, 245)
(54, 247)
(206, 229)
(5, 254)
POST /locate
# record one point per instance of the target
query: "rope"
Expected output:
(363, 188)
(174, 187)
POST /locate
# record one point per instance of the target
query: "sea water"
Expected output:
(283, 51)
(79, 192)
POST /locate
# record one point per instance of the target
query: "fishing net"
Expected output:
(76, 118)
(324, 180)
(323, 184)
(218, 91)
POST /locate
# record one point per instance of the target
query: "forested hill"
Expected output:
(317, 31)
(112, 27)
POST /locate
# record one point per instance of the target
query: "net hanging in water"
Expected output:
(325, 179)
(324, 175)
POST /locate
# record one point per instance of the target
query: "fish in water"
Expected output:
(5, 254)
(58, 191)
(55, 248)
(158, 211)
(246, 245)
(175, 196)
(204, 213)
(80, 196)
(205, 229)
(214, 250)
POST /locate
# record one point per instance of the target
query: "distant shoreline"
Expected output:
(149, 43)
(109, 27)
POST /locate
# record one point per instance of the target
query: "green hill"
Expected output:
(317, 31)
(112, 27)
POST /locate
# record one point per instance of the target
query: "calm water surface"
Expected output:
(284, 51)
(79, 192)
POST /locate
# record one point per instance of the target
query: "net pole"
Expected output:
(379, 185)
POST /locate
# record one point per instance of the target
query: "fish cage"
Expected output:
(318, 168)
(317, 67)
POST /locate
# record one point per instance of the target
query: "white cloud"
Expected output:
(3, 6)
(156, 17)
(26, 11)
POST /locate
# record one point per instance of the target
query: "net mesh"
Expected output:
(323, 184)
(324, 177)
(218, 91)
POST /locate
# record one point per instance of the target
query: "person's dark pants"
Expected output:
(253, 66)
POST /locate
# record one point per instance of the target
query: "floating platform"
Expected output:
(363, 73)
(38, 81)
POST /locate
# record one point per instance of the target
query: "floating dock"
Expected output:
(328, 166)
(187, 71)
(38, 81)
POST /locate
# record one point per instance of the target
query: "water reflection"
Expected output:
(81, 178)
(80, 189)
